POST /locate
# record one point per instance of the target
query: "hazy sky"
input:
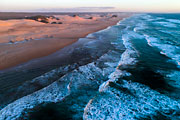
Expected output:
(91, 5)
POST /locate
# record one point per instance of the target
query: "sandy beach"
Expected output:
(89, 60)
(22, 40)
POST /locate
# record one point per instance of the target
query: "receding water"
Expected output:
(132, 72)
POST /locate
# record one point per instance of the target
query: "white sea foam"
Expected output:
(146, 16)
(174, 79)
(151, 40)
(58, 90)
(174, 21)
(166, 49)
(90, 36)
(61, 88)
(159, 18)
(54, 92)
(141, 102)
(132, 100)
(166, 24)
(150, 18)
(165, 31)
(140, 26)
(127, 58)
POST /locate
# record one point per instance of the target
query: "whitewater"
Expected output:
(133, 75)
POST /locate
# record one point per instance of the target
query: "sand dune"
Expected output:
(23, 40)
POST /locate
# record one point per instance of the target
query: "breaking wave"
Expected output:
(134, 75)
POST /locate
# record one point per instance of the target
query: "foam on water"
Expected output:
(128, 58)
(166, 49)
(87, 75)
(116, 97)
(169, 50)
(131, 101)
(149, 40)
(174, 77)
(166, 24)
(55, 92)
(174, 21)
(139, 26)
(121, 99)
(92, 75)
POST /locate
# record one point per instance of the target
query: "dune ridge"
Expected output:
(39, 39)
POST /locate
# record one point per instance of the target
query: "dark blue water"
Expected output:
(136, 77)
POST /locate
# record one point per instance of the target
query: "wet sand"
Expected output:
(35, 56)
(38, 39)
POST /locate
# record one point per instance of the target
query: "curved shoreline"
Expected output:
(15, 54)
(57, 89)
(24, 73)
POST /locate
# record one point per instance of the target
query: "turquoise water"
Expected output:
(151, 89)
(132, 74)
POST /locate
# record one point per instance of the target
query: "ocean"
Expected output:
(132, 73)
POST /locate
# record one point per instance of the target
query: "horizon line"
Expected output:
(82, 12)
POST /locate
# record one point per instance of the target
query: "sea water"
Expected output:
(135, 76)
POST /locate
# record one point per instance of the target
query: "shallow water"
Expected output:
(132, 73)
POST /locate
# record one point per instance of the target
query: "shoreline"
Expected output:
(90, 47)
(16, 54)
(28, 76)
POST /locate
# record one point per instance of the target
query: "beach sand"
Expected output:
(22, 40)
